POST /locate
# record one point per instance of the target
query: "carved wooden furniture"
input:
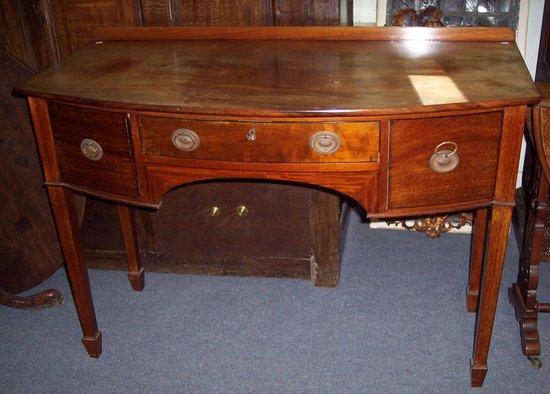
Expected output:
(29, 252)
(434, 226)
(428, 17)
(406, 127)
(535, 241)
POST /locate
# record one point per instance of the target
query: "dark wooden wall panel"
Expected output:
(41, 32)
(159, 12)
(26, 33)
(74, 20)
(225, 12)
(307, 12)
(12, 37)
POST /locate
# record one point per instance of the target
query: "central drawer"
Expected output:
(276, 142)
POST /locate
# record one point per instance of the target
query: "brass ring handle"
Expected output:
(91, 149)
(185, 140)
(445, 160)
(325, 142)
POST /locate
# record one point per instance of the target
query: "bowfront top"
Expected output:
(329, 76)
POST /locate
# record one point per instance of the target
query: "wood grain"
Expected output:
(282, 78)
(74, 20)
(324, 223)
(307, 12)
(128, 229)
(360, 186)
(513, 123)
(115, 172)
(391, 33)
(225, 13)
(64, 212)
(274, 142)
(477, 253)
(158, 12)
(499, 226)
(413, 183)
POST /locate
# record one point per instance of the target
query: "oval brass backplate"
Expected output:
(444, 161)
(325, 142)
(91, 149)
(185, 140)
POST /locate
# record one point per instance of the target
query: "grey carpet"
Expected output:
(396, 323)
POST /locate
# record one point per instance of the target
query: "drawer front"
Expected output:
(261, 142)
(93, 149)
(412, 181)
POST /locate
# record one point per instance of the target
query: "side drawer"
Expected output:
(260, 141)
(112, 170)
(413, 183)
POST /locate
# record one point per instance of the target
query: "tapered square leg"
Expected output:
(478, 373)
(93, 345)
(64, 212)
(129, 234)
(476, 259)
(497, 241)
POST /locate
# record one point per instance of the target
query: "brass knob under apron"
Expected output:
(242, 210)
(215, 211)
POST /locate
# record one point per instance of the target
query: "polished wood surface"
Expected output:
(479, 236)
(284, 77)
(472, 34)
(63, 207)
(115, 172)
(477, 138)
(484, 124)
(231, 140)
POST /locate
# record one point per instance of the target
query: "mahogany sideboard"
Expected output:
(405, 121)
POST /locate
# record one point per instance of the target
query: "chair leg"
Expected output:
(523, 293)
